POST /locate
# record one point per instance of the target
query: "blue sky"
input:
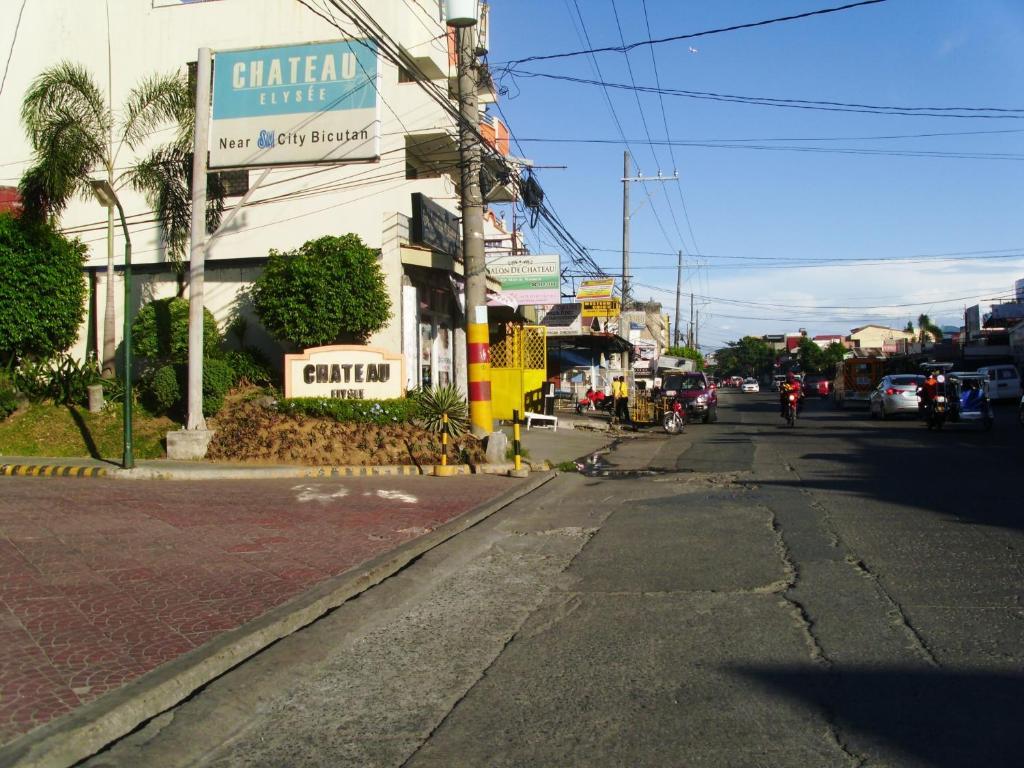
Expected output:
(752, 211)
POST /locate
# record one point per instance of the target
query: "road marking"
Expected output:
(314, 493)
(408, 498)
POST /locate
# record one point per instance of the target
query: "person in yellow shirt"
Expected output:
(620, 391)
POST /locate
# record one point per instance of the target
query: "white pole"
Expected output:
(198, 249)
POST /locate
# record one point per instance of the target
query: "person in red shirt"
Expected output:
(790, 385)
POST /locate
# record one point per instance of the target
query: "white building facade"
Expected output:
(404, 203)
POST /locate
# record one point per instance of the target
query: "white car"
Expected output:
(750, 385)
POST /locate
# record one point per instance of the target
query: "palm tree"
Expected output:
(928, 328)
(75, 134)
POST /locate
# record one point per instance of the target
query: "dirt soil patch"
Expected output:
(254, 432)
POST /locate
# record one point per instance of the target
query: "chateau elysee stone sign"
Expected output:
(344, 371)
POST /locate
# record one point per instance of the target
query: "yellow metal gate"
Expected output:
(519, 364)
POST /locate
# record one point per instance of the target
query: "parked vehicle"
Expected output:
(777, 382)
(855, 378)
(674, 420)
(698, 396)
(895, 394)
(594, 400)
(792, 408)
(1003, 381)
(750, 385)
(816, 385)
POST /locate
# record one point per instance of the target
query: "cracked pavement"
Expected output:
(847, 593)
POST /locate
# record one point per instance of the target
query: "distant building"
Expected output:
(826, 339)
(878, 337)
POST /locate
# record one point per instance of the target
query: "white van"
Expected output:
(1003, 381)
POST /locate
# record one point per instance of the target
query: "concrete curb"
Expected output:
(82, 733)
(200, 471)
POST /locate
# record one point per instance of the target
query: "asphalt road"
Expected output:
(845, 593)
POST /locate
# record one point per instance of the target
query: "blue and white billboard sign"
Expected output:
(296, 104)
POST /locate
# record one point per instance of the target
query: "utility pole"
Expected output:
(478, 355)
(679, 287)
(689, 340)
(696, 332)
(626, 169)
(627, 214)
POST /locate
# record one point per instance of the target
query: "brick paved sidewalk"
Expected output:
(103, 580)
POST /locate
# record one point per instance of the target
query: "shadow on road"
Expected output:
(962, 472)
(937, 718)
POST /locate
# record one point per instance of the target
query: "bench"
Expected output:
(543, 419)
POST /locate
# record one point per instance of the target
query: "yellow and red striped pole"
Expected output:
(478, 354)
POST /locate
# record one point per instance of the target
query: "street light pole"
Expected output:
(105, 194)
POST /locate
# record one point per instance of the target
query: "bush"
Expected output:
(160, 332)
(250, 366)
(61, 379)
(434, 403)
(42, 290)
(218, 378)
(396, 410)
(164, 388)
(331, 290)
(8, 396)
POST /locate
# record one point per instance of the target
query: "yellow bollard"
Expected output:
(515, 441)
(444, 440)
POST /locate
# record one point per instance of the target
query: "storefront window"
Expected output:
(436, 337)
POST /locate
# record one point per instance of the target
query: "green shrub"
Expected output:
(330, 290)
(164, 388)
(218, 378)
(160, 332)
(396, 410)
(8, 396)
(250, 366)
(42, 290)
(61, 379)
(434, 403)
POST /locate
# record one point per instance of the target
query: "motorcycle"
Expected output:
(936, 409)
(792, 406)
(591, 401)
(674, 420)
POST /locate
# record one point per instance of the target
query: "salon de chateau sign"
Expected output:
(348, 372)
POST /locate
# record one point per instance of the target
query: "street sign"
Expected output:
(595, 289)
(603, 308)
(313, 103)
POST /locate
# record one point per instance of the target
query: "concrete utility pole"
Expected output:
(625, 228)
(679, 287)
(689, 336)
(627, 214)
(478, 354)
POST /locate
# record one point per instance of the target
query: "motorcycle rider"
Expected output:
(790, 386)
(928, 391)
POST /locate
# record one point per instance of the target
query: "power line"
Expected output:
(14, 39)
(765, 101)
(1010, 253)
(794, 148)
(613, 49)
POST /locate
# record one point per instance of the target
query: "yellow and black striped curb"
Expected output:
(386, 471)
(50, 470)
